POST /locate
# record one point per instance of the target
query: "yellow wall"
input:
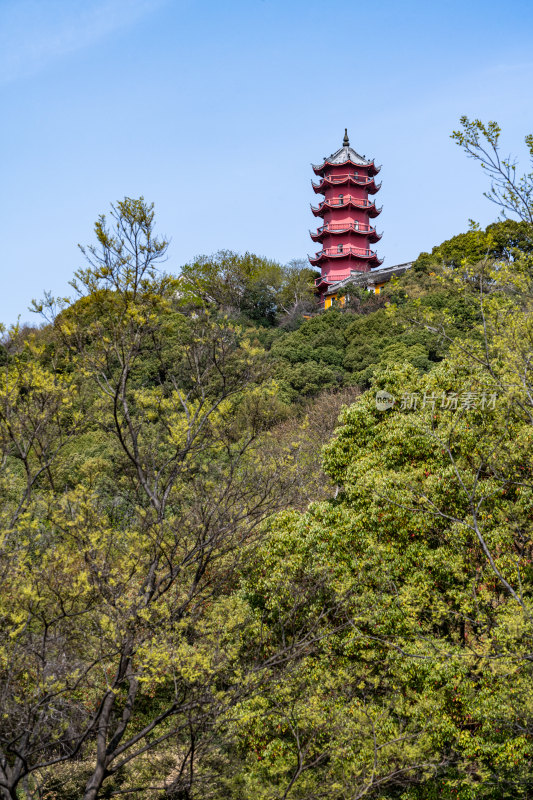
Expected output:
(332, 298)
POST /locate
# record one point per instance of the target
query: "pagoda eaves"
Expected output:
(350, 201)
(337, 229)
(347, 179)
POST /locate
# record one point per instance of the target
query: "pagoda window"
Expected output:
(340, 248)
(341, 199)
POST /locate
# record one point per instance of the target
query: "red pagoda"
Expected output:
(347, 183)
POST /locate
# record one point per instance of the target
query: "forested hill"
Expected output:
(213, 586)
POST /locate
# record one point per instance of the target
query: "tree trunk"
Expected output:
(9, 793)
(94, 784)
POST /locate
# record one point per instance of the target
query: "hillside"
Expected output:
(201, 603)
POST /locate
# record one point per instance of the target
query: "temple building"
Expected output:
(373, 281)
(346, 235)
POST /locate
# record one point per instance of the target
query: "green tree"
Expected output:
(297, 294)
(500, 240)
(512, 193)
(241, 285)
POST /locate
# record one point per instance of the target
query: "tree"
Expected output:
(500, 240)
(361, 301)
(235, 284)
(297, 294)
(510, 192)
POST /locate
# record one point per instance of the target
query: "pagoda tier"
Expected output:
(347, 181)
(349, 252)
(337, 228)
(353, 160)
(348, 201)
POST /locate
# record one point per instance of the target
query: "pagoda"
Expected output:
(348, 185)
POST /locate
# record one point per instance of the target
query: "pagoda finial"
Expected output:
(346, 141)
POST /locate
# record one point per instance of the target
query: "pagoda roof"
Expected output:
(344, 155)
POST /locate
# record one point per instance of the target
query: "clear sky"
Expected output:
(214, 110)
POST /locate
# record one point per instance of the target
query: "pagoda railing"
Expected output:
(345, 250)
(362, 179)
(360, 227)
(346, 200)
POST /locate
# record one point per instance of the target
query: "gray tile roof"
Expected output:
(378, 275)
(345, 153)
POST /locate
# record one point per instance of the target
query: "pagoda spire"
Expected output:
(346, 141)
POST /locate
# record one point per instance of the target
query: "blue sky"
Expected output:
(214, 110)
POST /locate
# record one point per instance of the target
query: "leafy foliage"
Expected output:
(428, 548)
(254, 288)
(512, 193)
(500, 240)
